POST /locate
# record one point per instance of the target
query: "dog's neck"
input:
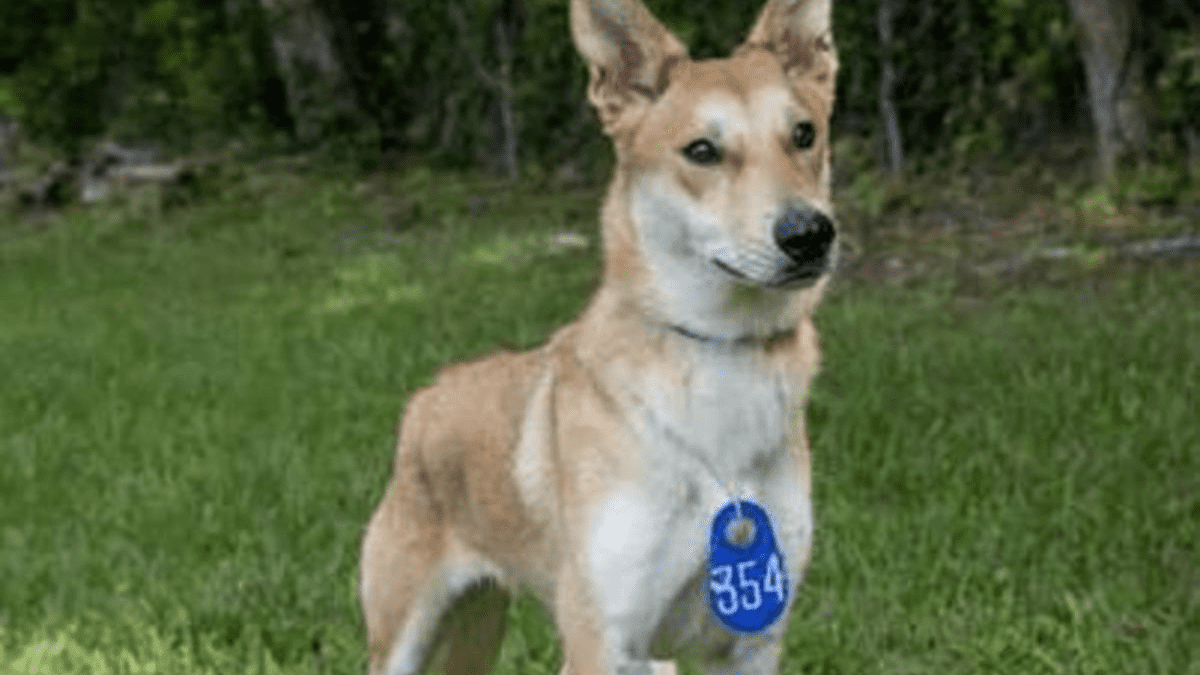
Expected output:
(742, 341)
(618, 304)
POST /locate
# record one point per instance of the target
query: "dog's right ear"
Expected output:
(629, 55)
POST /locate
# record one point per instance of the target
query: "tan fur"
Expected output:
(587, 470)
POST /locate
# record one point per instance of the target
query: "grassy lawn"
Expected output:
(197, 412)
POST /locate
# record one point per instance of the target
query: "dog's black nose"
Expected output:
(805, 235)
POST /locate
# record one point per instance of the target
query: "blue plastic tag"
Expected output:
(747, 577)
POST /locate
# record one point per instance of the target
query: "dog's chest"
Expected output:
(730, 417)
(725, 433)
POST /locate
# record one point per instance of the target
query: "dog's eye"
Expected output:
(804, 135)
(702, 152)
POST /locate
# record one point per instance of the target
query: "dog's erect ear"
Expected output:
(629, 54)
(800, 34)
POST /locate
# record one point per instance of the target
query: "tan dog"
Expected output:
(589, 471)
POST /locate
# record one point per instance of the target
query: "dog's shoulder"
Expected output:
(476, 402)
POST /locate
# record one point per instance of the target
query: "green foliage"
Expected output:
(1177, 85)
(974, 78)
(9, 103)
(163, 70)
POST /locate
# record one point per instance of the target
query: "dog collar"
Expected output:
(742, 341)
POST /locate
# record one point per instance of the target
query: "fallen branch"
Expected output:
(1175, 246)
(1163, 247)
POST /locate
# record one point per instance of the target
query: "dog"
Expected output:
(595, 471)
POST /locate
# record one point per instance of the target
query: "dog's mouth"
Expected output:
(796, 276)
(789, 278)
(729, 269)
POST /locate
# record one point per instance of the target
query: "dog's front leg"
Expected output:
(591, 645)
(583, 658)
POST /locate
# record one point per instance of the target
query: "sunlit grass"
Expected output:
(197, 414)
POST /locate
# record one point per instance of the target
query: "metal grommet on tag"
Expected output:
(740, 532)
(747, 575)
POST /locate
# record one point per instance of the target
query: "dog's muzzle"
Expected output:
(806, 236)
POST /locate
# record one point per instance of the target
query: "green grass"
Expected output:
(197, 412)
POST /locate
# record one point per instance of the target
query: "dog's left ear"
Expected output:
(800, 34)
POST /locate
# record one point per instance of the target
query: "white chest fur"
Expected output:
(726, 432)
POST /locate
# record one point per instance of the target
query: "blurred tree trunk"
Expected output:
(507, 22)
(1192, 138)
(893, 140)
(313, 79)
(8, 144)
(1114, 78)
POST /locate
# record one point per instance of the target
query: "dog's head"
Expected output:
(719, 209)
